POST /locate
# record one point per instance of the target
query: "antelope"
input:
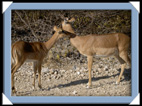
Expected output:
(114, 44)
(34, 52)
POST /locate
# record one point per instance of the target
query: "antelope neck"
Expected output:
(51, 41)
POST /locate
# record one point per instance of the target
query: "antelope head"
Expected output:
(60, 32)
(66, 24)
(69, 20)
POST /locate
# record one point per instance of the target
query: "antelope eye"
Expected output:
(53, 32)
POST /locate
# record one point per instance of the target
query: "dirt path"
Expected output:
(69, 78)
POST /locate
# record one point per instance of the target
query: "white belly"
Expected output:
(106, 52)
(103, 56)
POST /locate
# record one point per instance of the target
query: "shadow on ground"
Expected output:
(85, 81)
(126, 73)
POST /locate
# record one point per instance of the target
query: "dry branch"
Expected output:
(27, 24)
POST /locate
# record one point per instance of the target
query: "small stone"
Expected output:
(71, 71)
(106, 72)
(45, 70)
(49, 77)
(56, 72)
(77, 68)
(51, 72)
(78, 73)
(82, 75)
(62, 71)
(58, 77)
(55, 77)
(96, 73)
(74, 92)
(106, 68)
(15, 78)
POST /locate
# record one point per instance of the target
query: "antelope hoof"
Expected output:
(89, 85)
(40, 86)
(33, 84)
(117, 82)
(33, 87)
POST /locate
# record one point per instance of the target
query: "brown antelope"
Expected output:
(34, 52)
(115, 44)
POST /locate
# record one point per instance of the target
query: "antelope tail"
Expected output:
(13, 56)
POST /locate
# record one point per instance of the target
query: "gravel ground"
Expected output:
(69, 77)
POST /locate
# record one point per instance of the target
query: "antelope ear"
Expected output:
(55, 28)
(59, 26)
